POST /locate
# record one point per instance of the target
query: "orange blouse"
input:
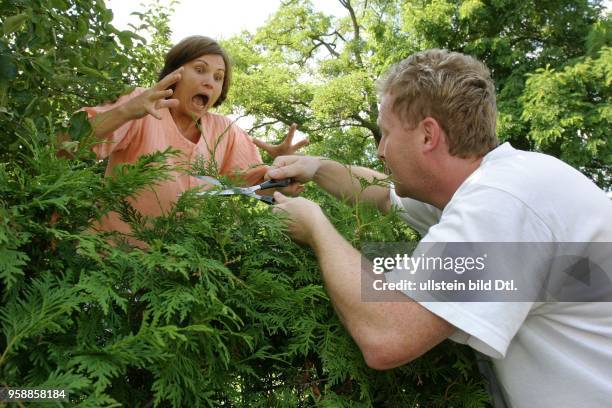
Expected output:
(231, 147)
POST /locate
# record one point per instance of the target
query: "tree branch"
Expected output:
(263, 125)
(356, 49)
(336, 32)
(310, 52)
(329, 47)
(371, 126)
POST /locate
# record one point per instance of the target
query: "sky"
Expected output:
(218, 19)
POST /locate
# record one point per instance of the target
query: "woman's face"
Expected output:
(200, 84)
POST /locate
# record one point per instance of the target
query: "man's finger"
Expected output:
(294, 170)
(282, 161)
(279, 173)
(280, 198)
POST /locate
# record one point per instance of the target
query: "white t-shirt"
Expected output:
(544, 354)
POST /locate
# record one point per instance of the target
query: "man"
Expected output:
(454, 184)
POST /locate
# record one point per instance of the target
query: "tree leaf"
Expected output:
(14, 23)
(8, 70)
(93, 72)
(79, 126)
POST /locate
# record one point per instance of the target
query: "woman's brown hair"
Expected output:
(191, 48)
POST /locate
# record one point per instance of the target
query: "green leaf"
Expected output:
(14, 23)
(79, 126)
(11, 266)
(93, 72)
(126, 37)
(8, 70)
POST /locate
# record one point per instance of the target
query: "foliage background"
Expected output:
(550, 61)
(238, 316)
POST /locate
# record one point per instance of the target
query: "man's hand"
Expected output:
(302, 217)
(286, 147)
(300, 168)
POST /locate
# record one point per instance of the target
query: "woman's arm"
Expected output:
(146, 103)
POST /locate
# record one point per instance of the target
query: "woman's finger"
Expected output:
(169, 79)
(156, 95)
(300, 144)
(290, 133)
(167, 103)
(153, 112)
(293, 189)
(262, 145)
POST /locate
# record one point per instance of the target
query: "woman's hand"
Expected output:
(285, 148)
(153, 99)
(147, 103)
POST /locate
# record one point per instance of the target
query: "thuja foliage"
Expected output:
(221, 309)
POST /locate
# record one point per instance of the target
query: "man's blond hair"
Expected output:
(453, 88)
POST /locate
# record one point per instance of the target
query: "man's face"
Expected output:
(399, 148)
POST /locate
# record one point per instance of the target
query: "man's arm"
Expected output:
(389, 334)
(337, 179)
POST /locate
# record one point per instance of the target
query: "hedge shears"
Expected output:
(248, 191)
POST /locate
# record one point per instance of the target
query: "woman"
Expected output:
(174, 113)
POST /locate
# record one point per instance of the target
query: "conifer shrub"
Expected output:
(221, 309)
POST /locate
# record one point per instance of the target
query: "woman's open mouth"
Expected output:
(200, 100)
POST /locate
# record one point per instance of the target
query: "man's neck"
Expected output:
(454, 173)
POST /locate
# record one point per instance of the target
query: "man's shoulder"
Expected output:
(517, 171)
(523, 187)
(536, 179)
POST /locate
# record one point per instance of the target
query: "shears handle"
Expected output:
(275, 183)
(272, 184)
(266, 199)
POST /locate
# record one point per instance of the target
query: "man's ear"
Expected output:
(432, 134)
